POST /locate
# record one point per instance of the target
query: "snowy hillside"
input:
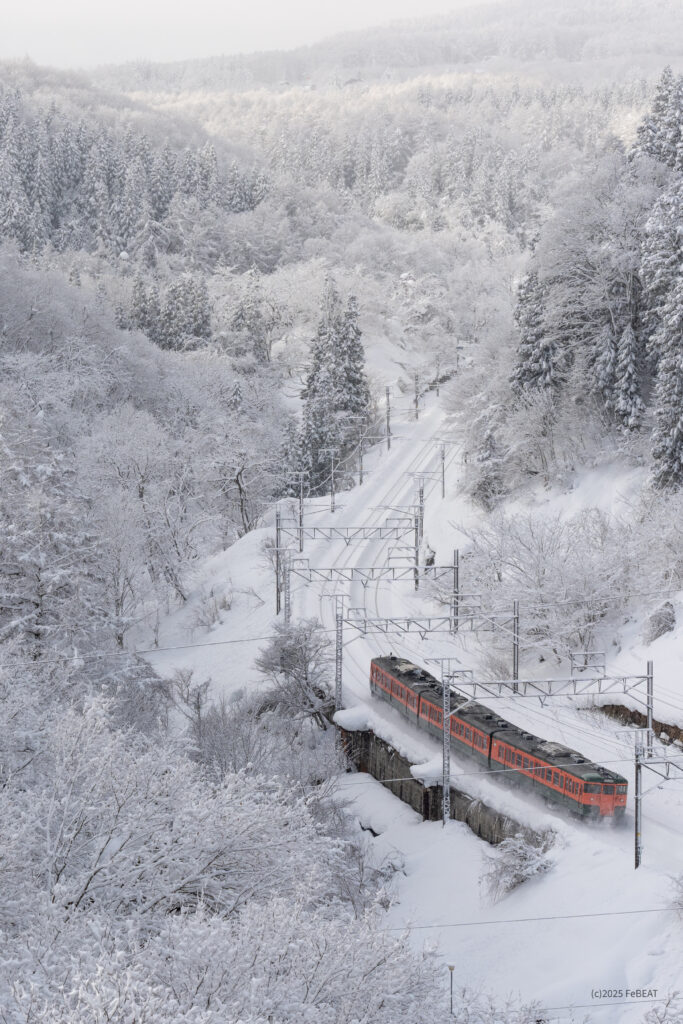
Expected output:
(579, 904)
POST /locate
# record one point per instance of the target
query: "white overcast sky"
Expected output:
(76, 33)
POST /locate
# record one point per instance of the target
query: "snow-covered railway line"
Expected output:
(390, 485)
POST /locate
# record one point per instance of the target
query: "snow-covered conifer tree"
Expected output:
(668, 436)
(659, 135)
(336, 396)
(536, 357)
(628, 404)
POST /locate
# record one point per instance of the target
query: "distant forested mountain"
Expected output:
(624, 34)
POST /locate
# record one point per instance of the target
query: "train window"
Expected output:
(549, 774)
(590, 787)
(621, 789)
(519, 760)
(608, 789)
(556, 779)
(570, 786)
(468, 734)
(525, 762)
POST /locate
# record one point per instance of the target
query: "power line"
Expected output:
(599, 1005)
(152, 650)
(525, 920)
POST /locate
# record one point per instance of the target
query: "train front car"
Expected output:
(558, 774)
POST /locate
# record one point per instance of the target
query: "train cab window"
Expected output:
(556, 779)
(621, 789)
(608, 789)
(590, 787)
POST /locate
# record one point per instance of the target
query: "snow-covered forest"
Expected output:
(213, 274)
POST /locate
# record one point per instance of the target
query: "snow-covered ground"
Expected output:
(560, 959)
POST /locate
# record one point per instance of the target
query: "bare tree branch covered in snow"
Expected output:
(298, 662)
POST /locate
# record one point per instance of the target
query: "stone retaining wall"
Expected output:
(378, 758)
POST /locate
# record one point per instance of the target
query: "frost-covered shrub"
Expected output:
(662, 621)
(512, 863)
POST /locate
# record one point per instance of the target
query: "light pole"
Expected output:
(451, 968)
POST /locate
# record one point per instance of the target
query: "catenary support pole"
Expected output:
(515, 644)
(332, 481)
(650, 705)
(417, 551)
(417, 397)
(638, 808)
(446, 753)
(456, 591)
(339, 655)
(387, 392)
(451, 968)
(287, 588)
(443, 470)
(360, 459)
(301, 512)
(421, 507)
(277, 561)
(331, 452)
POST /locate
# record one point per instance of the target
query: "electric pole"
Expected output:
(387, 392)
(417, 396)
(456, 590)
(443, 470)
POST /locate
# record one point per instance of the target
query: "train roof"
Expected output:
(486, 721)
